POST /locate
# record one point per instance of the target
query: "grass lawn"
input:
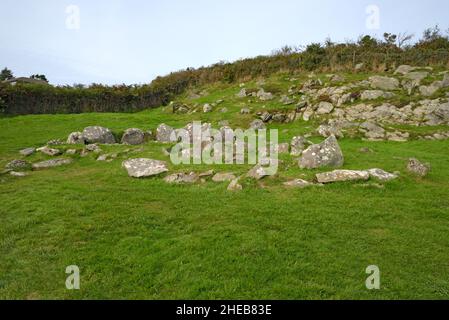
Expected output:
(150, 240)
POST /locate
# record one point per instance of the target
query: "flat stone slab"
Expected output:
(141, 168)
(51, 163)
(342, 176)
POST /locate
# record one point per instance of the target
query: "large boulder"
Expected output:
(326, 154)
(98, 134)
(384, 83)
(140, 168)
(165, 133)
(133, 136)
(342, 175)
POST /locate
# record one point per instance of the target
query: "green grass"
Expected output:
(146, 239)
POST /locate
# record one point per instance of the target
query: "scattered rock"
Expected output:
(326, 131)
(404, 69)
(18, 174)
(140, 168)
(76, 138)
(298, 183)
(376, 94)
(384, 83)
(342, 176)
(93, 148)
(286, 100)
(98, 135)
(49, 151)
(178, 178)
(264, 96)
(18, 165)
(372, 131)
(283, 148)
(133, 137)
(258, 172)
(245, 111)
(324, 108)
(235, 186)
(298, 145)
(51, 163)
(366, 150)
(223, 177)
(382, 175)
(27, 152)
(71, 152)
(326, 154)
(207, 108)
(206, 174)
(418, 168)
(165, 134)
(257, 125)
(242, 93)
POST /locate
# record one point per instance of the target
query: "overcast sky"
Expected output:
(133, 41)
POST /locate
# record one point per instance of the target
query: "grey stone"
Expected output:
(382, 175)
(298, 183)
(165, 134)
(133, 136)
(51, 163)
(342, 176)
(27, 152)
(418, 168)
(257, 125)
(18, 174)
(98, 134)
(298, 145)
(376, 94)
(223, 177)
(207, 108)
(49, 151)
(326, 154)
(384, 83)
(142, 167)
(235, 185)
(324, 108)
(179, 178)
(258, 172)
(18, 165)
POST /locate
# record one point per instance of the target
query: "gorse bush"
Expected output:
(375, 55)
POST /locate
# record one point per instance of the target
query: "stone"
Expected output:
(49, 151)
(235, 186)
(366, 150)
(265, 116)
(179, 178)
(418, 168)
(18, 174)
(257, 125)
(428, 91)
(258, 172)
(98, 134)
(283, 148)
(329, 130)
(382, 175)
(298, 145)
(206, 174)
(359, 66)
(18, 165)
(223, 177)
(71, 152)
(264, 96)
(417, 76)
(51, 163)
(342, 176)
(165, 134)
(397, 136)
(179, 108)
(93, 148)
(207, 108)
(286, 101)
(107, 157)
(133, 137)
(404, 69)
(27, 152)
(245, 111)
(372, 131)
(242, 93)
(384, 83)
(55, 142)
(324, 108)
(326, 154)
(298, 183)
(376, 94)
(142, 167)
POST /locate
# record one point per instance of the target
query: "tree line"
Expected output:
(368, 53)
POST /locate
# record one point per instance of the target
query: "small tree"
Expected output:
(39, 77)
(6, 74)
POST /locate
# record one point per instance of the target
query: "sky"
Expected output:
(134, 41)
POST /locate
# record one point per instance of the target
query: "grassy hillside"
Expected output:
(148, 239)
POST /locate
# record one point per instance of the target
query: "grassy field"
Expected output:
(150, 240)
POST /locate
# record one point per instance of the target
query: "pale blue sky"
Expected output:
(133, 41)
